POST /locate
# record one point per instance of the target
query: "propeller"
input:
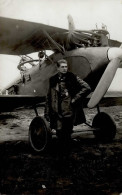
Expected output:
(77, 37)
(104, 82)
(73, 35)
(71, 24)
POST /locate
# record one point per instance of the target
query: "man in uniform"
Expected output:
(64, 101)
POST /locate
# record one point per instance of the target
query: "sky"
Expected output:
(86, 14)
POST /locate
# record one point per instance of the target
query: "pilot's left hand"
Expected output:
(73, 101)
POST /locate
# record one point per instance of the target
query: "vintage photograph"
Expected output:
(61, 97)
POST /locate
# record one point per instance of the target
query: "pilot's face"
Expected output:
(63, 68)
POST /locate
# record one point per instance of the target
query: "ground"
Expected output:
(86, 166)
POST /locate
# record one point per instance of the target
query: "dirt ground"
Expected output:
(86, 167)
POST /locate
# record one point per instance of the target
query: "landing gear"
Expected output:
(105, 127)
(39, 134)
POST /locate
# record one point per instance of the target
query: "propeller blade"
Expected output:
(104, 82)
(71, 24)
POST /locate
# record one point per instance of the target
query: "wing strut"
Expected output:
(58, 46)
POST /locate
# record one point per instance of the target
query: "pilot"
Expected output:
(64, 101)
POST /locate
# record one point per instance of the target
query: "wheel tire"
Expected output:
(106, 127)
(39, 134)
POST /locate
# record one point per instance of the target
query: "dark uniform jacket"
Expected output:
(77, 89)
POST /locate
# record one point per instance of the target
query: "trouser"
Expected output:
(64, 128)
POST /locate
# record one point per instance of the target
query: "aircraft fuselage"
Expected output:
(88, 63)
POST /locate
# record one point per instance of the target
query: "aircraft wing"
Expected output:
(10, 102)
(19, 37)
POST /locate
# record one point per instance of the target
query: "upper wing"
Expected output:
(18, 37)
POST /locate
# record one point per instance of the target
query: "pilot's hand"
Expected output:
(73, 101)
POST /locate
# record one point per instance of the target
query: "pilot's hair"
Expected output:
(61, 61)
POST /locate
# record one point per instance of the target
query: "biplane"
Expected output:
(90, 54)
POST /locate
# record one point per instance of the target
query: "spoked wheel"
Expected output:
(39, 133)
(105, 127)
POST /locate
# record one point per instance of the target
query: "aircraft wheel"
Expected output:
(39, 133)
(106, 127)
